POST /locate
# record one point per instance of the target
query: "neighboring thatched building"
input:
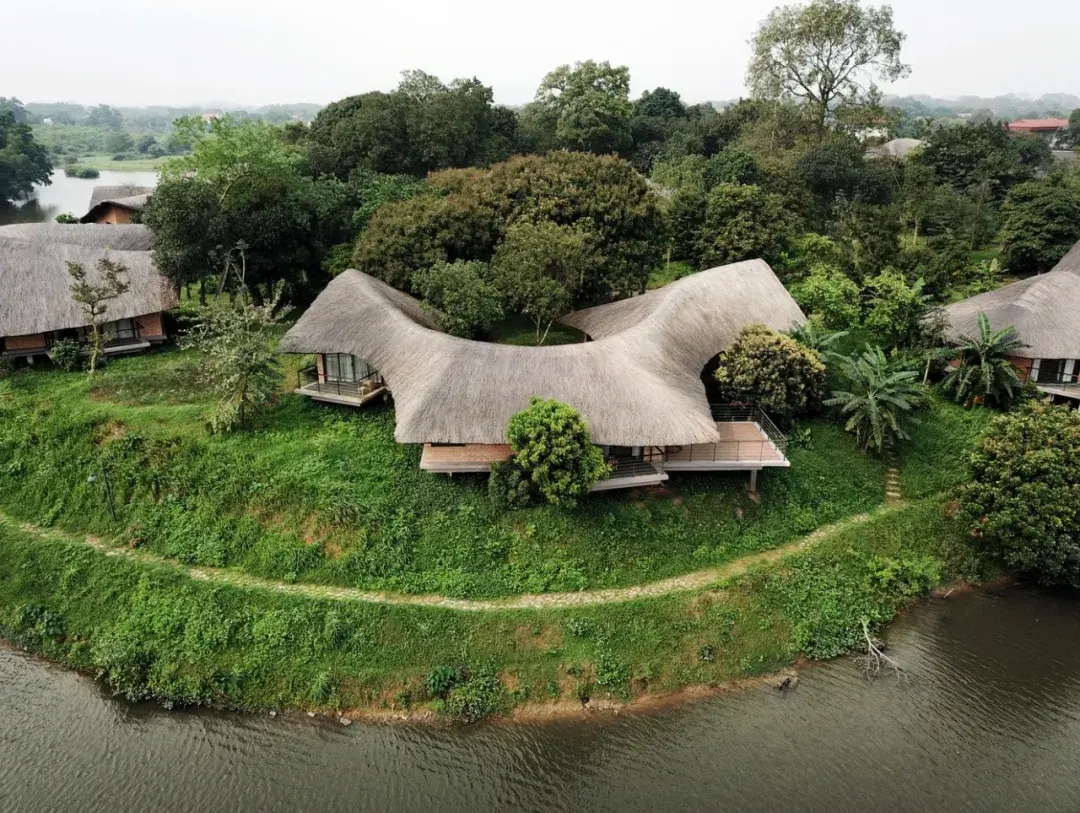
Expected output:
(116, 204)
(638, 386)
(1045, 310)
(36, 308)
(897, 148)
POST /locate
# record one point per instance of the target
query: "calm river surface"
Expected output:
(69, 195)
(987, 719)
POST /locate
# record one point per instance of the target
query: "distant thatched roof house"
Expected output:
(638, 385)
(1045, 310)
(116, 204)
(36, 307)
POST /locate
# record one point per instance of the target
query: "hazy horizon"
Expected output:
(251, 54)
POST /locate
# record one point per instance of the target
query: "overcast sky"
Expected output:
(257, 52)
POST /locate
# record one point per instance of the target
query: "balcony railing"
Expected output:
(748, 413)
(1062, 382)
(309, 380)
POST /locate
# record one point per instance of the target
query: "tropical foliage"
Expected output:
(984, 372)
(23, 162)
(93, 292)
(461, 295)
(551, 444)
(1023, 498)
(879, 398)
(772, 371)
(1040, 222)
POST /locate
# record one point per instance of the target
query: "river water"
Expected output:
(987, 718)
(69, 195)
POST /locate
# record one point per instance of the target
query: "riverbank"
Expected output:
(152, 632)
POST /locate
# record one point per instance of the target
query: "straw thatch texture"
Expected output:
(1045, 310)
(36, 287)
(639, 385)
(113, 193)
(135, 203)
(119, 237)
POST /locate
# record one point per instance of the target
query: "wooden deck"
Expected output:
(347, 395)
(743, 446)
(470, 457)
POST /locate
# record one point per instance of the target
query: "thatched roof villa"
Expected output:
(1045, 310)
(116, 204)
(36, 308)
(638, 384)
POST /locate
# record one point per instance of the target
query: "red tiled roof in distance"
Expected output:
(1035, 125)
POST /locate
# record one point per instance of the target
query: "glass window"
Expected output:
(1050, 371)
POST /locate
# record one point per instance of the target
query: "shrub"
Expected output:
(552, 446)
(66, 217)
(65, 355)
(895, 309)
(774, 372)
(480, 696)
(441, 680)
(7, 368)
(1040, 222)
(508, 486)
(1023, 498)
(881, 394)
(745, 223)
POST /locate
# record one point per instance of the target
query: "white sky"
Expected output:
(254, 52)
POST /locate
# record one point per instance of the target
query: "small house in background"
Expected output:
(1045, 310)
(36, 308)
(1047, 129)
(116, 204)
(637, 383)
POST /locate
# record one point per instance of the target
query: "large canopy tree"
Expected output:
(23, 162)
(827, 53)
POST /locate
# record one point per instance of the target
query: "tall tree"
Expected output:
(93, 298)
(1040, 222)
(586, 107)
(826, 53)
(23, 162)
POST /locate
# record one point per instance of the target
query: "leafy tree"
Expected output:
(105, 116)
(1021, 498)
(824, 53)
(539, 269)
(894, 309)
(813, 335)
(66, 217)
(462, 295)
(772, 371)
(831, 296)
(837, 169)
(23, 162)
(423, 125)
(868, 234)
(879, 400)
(16, 108)
(93, 299)
(732, 165)
(984, 373)
(744, 223)
(661, 103)
(119, 141)
(986, 155)
(552, 445)
(146, 143)
(1070, 137)
(1040, 223)
(585, 107)
(240, 368)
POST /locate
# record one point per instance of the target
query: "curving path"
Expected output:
(545, 601)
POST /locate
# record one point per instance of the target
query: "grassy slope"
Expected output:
(155, 633)
(323, 494)
(106, 162)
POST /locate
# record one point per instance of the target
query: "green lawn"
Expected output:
(106, 162)
(324, 494)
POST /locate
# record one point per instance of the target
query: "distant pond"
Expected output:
(986, 719)
(66, 194)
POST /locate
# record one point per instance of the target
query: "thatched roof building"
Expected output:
(36, 286)
(638, 384)
(1045, 310)
(103, 194)
(897, 148)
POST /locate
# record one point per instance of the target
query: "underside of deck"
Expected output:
(743, 446)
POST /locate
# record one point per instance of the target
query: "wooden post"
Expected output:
(753, 486)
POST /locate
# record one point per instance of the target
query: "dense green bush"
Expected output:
(830, 295)
(744, 223)
(509, 486)
(1023, 499)
(65, 354)
(1040, 222)
(774, 372)
(552, 446)
(462, 295)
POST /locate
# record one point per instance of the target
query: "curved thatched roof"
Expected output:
(120, 237)
(1045, 310)
(135, 203)
(36, 286)
(640, 384)
(101, 194)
